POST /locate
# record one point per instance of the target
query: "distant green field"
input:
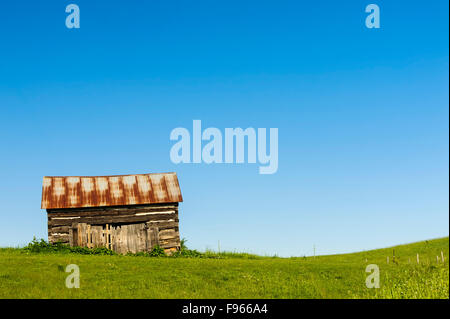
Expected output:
(42, 275)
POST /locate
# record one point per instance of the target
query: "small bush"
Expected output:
(41, 246)
(157, 252)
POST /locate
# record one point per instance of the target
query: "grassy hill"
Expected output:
(228, 275)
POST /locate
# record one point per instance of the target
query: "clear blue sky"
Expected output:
(363, 115)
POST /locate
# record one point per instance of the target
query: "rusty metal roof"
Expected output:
(96, 191)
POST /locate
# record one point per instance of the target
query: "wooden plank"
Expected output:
(173, 235)
(164, 224)
(71, 237)
(94, 211)
(170, 244)
(145, 237)
(124, 238)
(138, 237)
(92, 231)
(122, 242)
(59, 238)
(107, 239)
(63, 221)
(89, 235)
(121, 207)
(167, 231)
(148, 238)
(136, 231)
(100, 238)
(103, 234)
(142, 237)
(130, 237)
(74, 230)
(116, 219)
(115, 240)
(60, 229)
(79, 241)
(94, 236)
(154, 236)
(128, 241)
(97, 238)
(82, 235)
(113, 237)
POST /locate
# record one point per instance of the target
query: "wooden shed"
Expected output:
(125, 213)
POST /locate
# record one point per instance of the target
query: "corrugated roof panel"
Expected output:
(173, 189)
(97, 191)
(159, 189)
(144, 188)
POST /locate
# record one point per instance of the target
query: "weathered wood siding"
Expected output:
(121, 228)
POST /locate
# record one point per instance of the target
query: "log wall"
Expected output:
(162, 219)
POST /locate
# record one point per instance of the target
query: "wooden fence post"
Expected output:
(108, 239)
(89, 235)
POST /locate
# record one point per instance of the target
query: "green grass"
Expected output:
(229, 275)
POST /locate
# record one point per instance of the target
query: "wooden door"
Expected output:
(129, 238)
(122, 238)
(86, 235)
